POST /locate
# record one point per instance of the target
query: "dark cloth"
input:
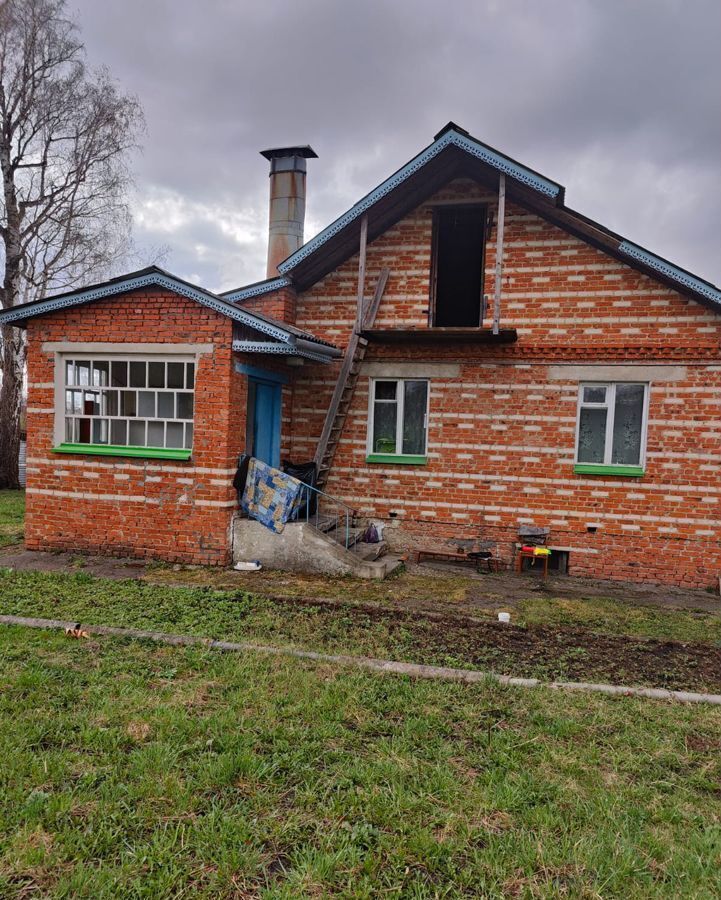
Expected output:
(241, 476)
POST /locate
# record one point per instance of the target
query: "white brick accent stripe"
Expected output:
(137, 467)
(127, 498)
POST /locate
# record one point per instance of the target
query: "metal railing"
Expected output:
(326, 514)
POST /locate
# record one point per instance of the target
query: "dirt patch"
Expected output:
(552, 654)
(428, 587)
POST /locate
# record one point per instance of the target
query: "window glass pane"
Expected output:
(189, 435)
(101, 373)
(100, 431)
(109, 403)
(594, 394)
(119, 374)
(190, 375)
(77, 402)
(174, 434)
(82, 370)
(136, 436)
(69, 431)
(185, 406)
(146, 403)
(166, 404)
(70, 372)
(91, 405)
(118, 432)
(176, 375)
(156, 374)
(627, 425)
(386, 390)
(82, 431)
(69, 407)
(384, 427)
(128, 403)
(155, 434)
(414, 416)
(592, 435)
(137, 374)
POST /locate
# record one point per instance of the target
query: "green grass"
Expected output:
(12, 517)
(557, 653)
(132, 770)
(614, 617)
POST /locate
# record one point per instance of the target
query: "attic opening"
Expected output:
(457, 266)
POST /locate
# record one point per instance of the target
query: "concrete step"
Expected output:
(378, 569)
(370, 551)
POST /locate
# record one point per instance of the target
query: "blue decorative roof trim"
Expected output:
(224, 307)
(278, 350)
(665, 268)
(450, 138)
(257, 290)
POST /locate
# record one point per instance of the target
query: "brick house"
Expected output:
(461, 353)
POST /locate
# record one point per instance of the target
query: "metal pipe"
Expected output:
(287, 202)
(499, 252)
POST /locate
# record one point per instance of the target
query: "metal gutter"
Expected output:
(269, 347)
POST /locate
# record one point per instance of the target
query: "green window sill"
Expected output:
(402, 459)
(593, 469)
(113, 450)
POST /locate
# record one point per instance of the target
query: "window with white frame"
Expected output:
(612, 421)
(398, 417)
(126, 401)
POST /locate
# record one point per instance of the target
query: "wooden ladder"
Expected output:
(343, 392)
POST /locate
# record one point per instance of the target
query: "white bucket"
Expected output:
(504, 617)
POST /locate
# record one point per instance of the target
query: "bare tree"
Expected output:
(65, 137)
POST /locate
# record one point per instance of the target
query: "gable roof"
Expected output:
(153, 275)
(455, 153)
(451, 136)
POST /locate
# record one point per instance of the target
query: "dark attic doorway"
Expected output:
(457, 266)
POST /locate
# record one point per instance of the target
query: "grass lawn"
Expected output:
(132, 770)
(549, 653)
(12, 517)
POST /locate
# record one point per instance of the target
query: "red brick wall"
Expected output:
(280, 305)
(155, 508)
(502, 429)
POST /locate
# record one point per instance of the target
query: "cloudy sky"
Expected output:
(619, 100)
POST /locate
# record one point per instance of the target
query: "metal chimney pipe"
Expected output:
(287, 202)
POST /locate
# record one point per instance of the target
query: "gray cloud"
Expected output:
(619, 100)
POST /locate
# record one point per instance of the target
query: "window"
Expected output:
(457, 267)
(611, 430)
(108, 403)
(398, 421)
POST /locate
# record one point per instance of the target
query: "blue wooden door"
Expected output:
(265, 399)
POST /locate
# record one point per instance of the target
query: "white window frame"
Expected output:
(98, 355)
(400, 403)
(610, 406)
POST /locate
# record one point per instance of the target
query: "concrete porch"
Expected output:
(302, 547)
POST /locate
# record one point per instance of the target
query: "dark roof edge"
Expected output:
(544, 186)
(636, 256)
(256, 289)
(153, 275)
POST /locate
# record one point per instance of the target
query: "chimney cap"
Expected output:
(303, 150)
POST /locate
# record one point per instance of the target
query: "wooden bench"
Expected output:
(492, 563)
